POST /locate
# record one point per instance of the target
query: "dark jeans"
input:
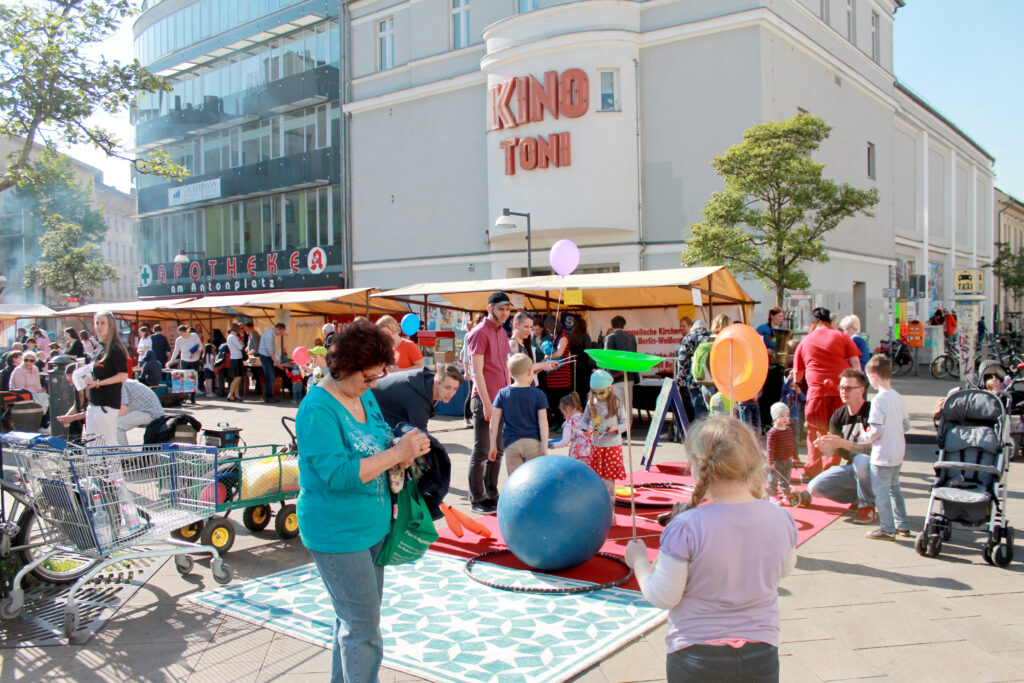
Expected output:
(483, 474)
(754, 662)
(268, 376)
(700, 409)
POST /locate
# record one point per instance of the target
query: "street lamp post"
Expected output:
(183, 256)
(505, 221)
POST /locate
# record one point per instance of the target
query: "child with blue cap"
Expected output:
(605, 417)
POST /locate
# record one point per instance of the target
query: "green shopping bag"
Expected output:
(412, 529)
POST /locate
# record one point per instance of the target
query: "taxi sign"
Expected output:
(968, 282)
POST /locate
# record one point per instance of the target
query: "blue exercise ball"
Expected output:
(554, 513)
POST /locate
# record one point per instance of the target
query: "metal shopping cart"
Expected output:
(106, 502)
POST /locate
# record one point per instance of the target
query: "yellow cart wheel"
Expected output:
(256, 518)
(287, 522)
(220, 533)
(189, 533)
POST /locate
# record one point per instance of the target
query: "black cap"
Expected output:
(498, 299)
(822, 314)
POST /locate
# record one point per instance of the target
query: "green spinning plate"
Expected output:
(623, 361)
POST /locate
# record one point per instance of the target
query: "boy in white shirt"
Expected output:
(889, 423)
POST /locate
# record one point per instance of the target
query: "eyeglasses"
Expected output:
(374, 378)
(849, 387)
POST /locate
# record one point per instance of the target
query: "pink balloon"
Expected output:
(564, 257)
(300, 355)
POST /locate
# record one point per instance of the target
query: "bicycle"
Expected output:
(902, 358)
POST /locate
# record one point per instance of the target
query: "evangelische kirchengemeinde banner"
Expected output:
(307, 268)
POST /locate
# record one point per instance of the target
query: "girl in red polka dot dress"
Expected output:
(605, 417)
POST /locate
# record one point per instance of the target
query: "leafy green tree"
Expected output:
(67, 267)
(49, 87)
(58, 192)
(776, 208)
(1008, 266)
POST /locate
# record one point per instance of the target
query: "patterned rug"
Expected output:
(441, 625)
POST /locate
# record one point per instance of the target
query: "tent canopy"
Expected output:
(125, 307)
(355, 301)
(599, 291)
(18, 311)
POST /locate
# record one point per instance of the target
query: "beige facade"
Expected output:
(1009, 229)
(119, 246)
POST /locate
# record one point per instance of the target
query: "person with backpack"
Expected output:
(687, 347)
(700, 366)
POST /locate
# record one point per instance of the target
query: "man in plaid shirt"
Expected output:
(139, 406)
(698, 333)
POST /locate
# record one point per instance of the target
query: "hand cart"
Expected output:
(249, 478)
(102, 502)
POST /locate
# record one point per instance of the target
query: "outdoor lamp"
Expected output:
(183, 256)
(505, 221)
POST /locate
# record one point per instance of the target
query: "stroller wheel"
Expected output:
(986, 552)
(921, 544)
(934, 546)
(805, 498)
(1003, 556)
(1008, 534)
(947, 532)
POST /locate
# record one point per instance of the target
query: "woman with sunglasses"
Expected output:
(344, 506)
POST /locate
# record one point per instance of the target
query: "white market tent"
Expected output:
(25, 311)
(598, 291)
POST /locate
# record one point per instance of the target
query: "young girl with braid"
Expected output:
(720, 564)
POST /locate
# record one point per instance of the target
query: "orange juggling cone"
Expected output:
(452, 520)
(471, 524)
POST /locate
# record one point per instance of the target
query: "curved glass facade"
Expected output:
(197, 22)
(256, 125)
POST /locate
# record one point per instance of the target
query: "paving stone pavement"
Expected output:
(852, 609)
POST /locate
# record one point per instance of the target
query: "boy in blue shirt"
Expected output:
(520, 411)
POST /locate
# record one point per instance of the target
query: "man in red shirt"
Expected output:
(821, 356)
(488, 349)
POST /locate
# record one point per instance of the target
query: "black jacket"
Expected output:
(152, 371)
(161, 348)
(434, 470)
(406, 396)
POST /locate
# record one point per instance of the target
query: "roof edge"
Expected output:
(942, 117)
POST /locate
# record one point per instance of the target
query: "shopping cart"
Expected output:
(105, 502)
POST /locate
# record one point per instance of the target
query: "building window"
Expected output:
(609, 92)
(871, 161)
(876, 50)
(386, 44)
(460, 24)
(825, 11)
(528, 5)
(851, 21)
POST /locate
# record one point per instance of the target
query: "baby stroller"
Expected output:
(970, 475)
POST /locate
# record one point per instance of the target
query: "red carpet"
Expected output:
(809, 521)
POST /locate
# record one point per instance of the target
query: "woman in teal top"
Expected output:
(344, 505)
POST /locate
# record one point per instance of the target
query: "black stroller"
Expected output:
(970, 475)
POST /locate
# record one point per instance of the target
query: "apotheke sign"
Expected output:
(308, 268)
(195, 192)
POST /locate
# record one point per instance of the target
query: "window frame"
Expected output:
(876, 38)
(386, 43)
(616, 102)
(872, 161)
(460, 19)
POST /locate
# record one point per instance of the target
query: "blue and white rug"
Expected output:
(441, 625)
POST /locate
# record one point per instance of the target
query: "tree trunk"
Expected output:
(780, 293)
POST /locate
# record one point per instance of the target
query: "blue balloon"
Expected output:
(554, 513)
(410, 324)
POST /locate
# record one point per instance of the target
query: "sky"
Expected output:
(962, 57)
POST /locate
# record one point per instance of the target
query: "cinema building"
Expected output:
(392, 133)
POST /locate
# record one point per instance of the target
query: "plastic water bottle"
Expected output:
(101, 522)
(129, 511)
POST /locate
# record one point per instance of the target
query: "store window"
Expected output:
(460, 24)
(609, 93)
(386, 44)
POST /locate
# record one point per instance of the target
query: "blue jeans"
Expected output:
(723, 663)
(268, 375)
(750, 412)
(700, 408)
(892, 511)
(846, 483)
(356, 586)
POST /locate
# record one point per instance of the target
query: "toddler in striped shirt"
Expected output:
(781, 452)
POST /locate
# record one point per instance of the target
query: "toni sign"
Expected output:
(526, 99)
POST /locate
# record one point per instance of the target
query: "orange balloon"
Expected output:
(739, 362)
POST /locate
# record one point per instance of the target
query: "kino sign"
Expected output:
(524, 99)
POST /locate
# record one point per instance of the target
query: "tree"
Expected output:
(58, 192)
(49, 87)
(68, 268)
(1008, 266)
(776, 207)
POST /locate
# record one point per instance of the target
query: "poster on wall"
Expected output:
(936, 287)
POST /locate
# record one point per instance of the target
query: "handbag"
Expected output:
(412, 528)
